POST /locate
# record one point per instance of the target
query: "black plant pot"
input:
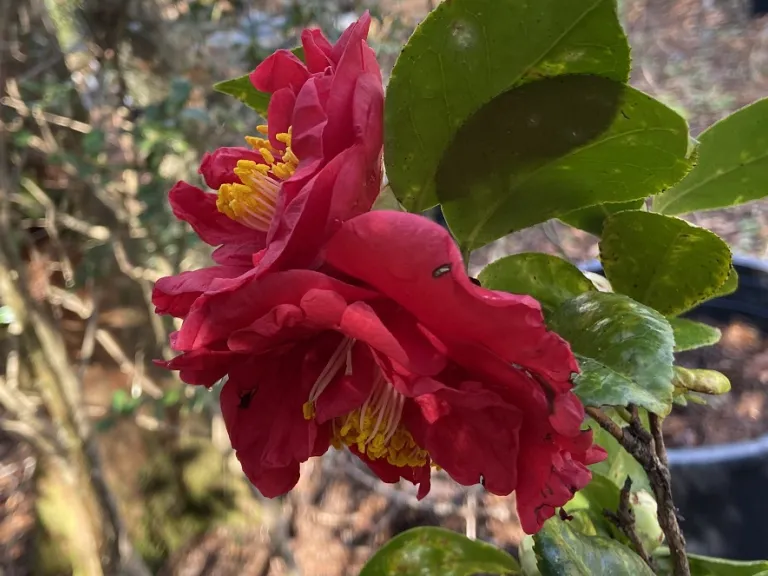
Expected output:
(722, 490)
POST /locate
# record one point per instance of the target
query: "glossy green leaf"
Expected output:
(563, 552)
(690, 334)
(599, 496)
(592, 218)
(386, 201)
(465, 53)
(732, 165)
(549, 279)
(625, 350)
(242, 89)
(553, 146)
(429, 551)
(709, 382)
(619, 464)
(662, 261)
(705, 566)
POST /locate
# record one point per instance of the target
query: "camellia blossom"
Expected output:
(390, 350)
(317, 163)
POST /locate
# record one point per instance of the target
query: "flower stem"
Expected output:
(652, 455)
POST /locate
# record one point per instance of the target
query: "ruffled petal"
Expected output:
(430, 279)
(468, 430)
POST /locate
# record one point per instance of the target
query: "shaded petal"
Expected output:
(391, 474)
(396, 335)
(261, 404)
(468, 431)
(309, 119)
(280, 114)
(201, 367)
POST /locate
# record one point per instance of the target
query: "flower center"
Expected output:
(375, 428)
(252, 201)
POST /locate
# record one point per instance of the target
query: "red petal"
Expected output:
(237, 254)
(390, 474)
(280, 70)
(201, 367)
(431, 279)
(174, 295)
(198, 208)
(353, 35)
(468, 430)
(214, 317)
(317, 50)
(280, 114)
(262, 408)
(218, 167)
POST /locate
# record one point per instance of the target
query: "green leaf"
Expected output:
(553, 146)
(619, 463)
(563, 552)
(705, 566)
(662, 261)
(732, 165)
(625, 350)
(690, 334)
(730, 285)
(527, 556)
(702, 381)
(592, 218)
(549, 279)
(242, 89)
(429, 551)
(465, 53)
(599, 496)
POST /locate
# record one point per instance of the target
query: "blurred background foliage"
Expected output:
(108, 465)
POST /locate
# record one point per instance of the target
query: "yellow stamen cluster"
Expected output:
(252, 201)
(376, 431)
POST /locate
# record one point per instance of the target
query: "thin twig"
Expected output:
(658, 439)
(624, 519)
(651, 456)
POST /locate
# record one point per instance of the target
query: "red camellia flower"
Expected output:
(316, 164)
(390, 350)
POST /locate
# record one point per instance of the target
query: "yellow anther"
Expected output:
(252, 201)
(375, 430)
(267, 155)
(257, 143)
(309, 410)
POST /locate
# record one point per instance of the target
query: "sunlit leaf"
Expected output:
(709, 382)
(662, 261)
(705, 566)
(624, 349)
(690, 334)
(549, 279)
(467, 52)
(732, 165)
(563, 552)
(429, 551)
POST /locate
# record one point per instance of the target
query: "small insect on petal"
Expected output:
(440, 270)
